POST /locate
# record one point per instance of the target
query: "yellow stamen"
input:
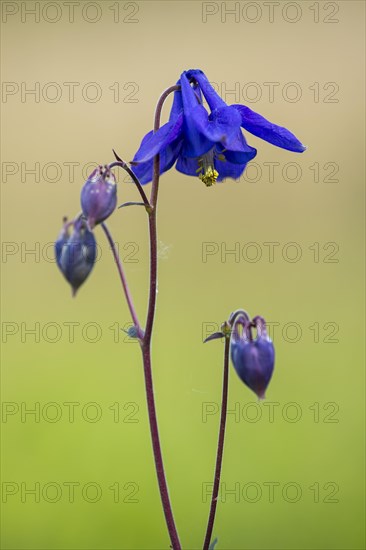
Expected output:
(207, 172)
(209, 177)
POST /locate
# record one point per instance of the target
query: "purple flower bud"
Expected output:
(253, 360)
(75, 252)
(99, 196)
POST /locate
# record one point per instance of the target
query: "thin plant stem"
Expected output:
(146, 354)
(145, 338)
(158, 458)
(220, 446)
(152, 222)
(156, 174)
(122, 164)
(146, 342)
(122, 276)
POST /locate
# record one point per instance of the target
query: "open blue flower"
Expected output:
(210, 146)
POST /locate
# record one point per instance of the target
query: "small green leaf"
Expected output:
(214, 336)
(131, 204)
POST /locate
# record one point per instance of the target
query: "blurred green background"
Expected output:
(293, 471)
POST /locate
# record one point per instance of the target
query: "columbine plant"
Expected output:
(208, 144)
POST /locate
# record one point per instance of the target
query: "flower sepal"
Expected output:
(99, 196)
(214, 336)
(75, 251)
(253, 358)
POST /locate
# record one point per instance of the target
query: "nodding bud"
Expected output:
(99, 196)
(75, 251)
(253, 359)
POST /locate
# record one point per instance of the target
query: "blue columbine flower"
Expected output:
(253, 359)
(76, 252)
(210, 146)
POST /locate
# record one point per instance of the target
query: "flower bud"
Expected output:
(99, 196)
(75, 252)
(253, 360)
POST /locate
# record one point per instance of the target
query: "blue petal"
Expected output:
(239, 151)
(190, 96)
(228, 169)
(212, 97)
(262, 128)
(254, 363)
(188, 166)
(154, 143)
(168, 156)
(222, 125)
(196, 141)
(240, 157)
(78, 255)
(202, 131)
(177, 106)
(236, 149)
(59, 244)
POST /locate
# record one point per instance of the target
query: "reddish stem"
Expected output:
(146, 343)
(220, 446)
(123, 279)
